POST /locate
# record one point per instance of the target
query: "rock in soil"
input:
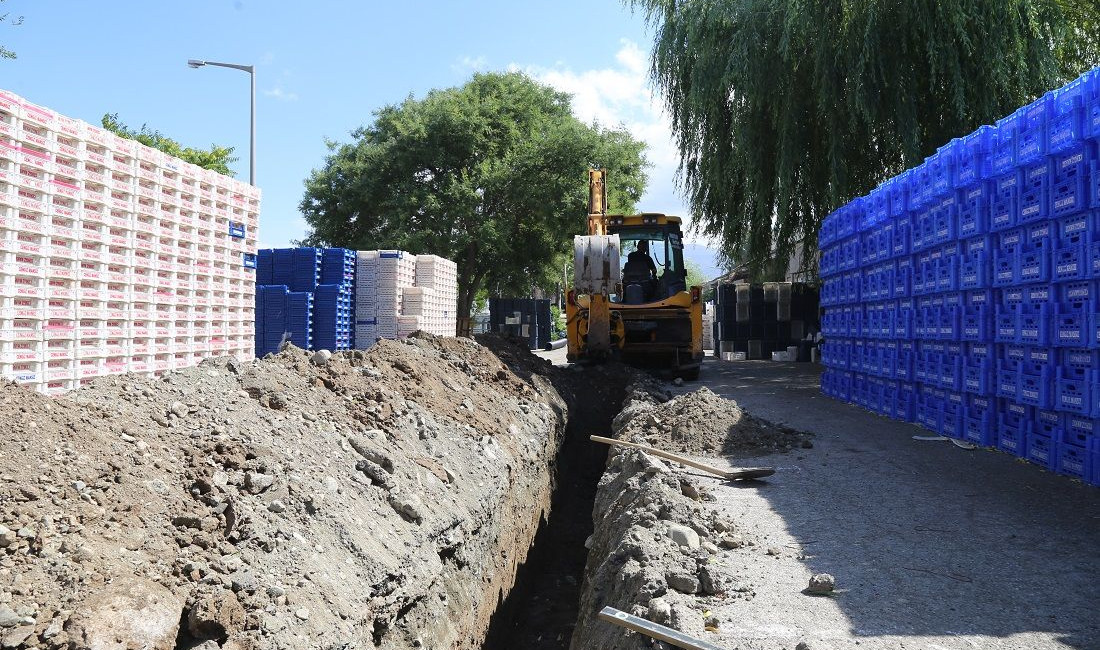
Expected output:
(821, 584)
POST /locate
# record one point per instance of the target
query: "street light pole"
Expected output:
(251, 70)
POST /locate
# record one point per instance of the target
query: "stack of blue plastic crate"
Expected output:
(332, 317)
(338, 268)
(317, 287)
(271, 318)
(300, 318)
(964, 294)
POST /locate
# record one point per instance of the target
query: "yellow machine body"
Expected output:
(664, 333)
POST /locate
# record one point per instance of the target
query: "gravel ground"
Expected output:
(931, 546)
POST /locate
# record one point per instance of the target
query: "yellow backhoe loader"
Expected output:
(630, 298)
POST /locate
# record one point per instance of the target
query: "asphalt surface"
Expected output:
(932, 546)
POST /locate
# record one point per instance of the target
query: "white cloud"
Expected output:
(621, 95)
(469, 64)
(282, 95)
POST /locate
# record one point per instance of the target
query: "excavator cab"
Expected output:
(652, 261)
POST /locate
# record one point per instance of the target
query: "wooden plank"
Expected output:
(651, 629)
(738, 473)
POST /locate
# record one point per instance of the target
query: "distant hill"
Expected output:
(706, 258)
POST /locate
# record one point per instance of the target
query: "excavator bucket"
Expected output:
(596, 267)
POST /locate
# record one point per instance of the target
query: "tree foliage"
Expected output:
(492, 174)
(216, 158)
(784, 109)
(7, 17)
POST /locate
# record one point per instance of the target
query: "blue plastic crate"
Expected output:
(1072, 324)
(1034, 194)
(1003, 213)
(1092, 476)
(1042, 450)
(897, 188)
(876, 208)
(1031, 139)
(943, 167)
(1094, 259)
(1003, 272)
(953, 423)
(1067, 125)
(1012, 241)
(976, 324)
(1035, 389)
(1074, 461)
(920, 185)
(236, 230)
(977, 376)
(929, 410)
(905, 402)
(981, 351)
(1073, 395)
(1078, 229)
(1003, 156)
(1069, 191)
(248, 260)
(974, 209)
(973, 156)
(1033, 264)
(1012, 439)
(826, 234)
(901, 236)
(1070, 263)
(1079, 292)
(1033, 325)
(1007, 382)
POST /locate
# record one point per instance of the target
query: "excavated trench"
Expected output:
(541, 610)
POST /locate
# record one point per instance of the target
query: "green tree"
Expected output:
(6, 17)
(216, 158)
(492, 174)
(784, 109)
(694, 274)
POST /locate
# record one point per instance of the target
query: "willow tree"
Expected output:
(785, 109)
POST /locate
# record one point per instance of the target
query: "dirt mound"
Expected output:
(659, 550)
(380, 498)
(699, 422)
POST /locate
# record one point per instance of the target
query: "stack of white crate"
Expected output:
(398, 293)
(380, 277)
(438, 278)
(115, 257)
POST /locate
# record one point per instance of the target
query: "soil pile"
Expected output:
(699, 422)
(375, 499)
(659, 550)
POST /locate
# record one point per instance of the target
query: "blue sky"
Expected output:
(323, 68)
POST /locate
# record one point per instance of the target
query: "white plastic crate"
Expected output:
(59, 369)
(142, 346)
(16, 351)
(23, 372)
(21, 285)
(90, 367)
(21, 307)
(57, 328)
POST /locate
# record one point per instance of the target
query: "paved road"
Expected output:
(932, 546)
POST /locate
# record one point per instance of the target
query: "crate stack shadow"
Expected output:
(963, 294)
(757, 320)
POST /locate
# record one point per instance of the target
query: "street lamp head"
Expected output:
(195, 63)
